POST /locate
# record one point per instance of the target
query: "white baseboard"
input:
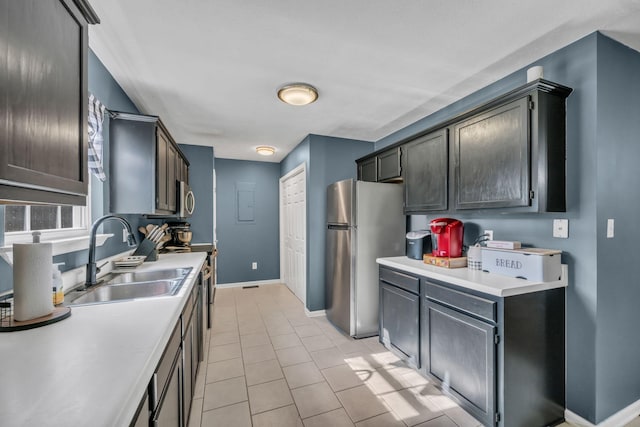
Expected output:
(315, 313)
(620, 418)
(253, 283)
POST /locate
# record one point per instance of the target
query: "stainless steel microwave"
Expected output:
(186, 200)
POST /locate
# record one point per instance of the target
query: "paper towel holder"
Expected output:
(9, 324)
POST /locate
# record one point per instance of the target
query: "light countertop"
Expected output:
(489, 283)
(93, 367)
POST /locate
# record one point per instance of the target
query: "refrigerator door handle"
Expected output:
(338, 227)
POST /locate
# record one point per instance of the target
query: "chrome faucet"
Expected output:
(92, 269)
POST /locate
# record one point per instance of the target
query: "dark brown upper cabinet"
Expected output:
(507, 154)
(491, 154)
(512, 155)
(389, 166)
(43, 92)
(145, 167)
(367, 170)
(384, 166)
(425, 171)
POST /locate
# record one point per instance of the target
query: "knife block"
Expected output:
(147, 248)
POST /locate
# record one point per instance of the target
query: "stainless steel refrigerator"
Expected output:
(364, 222)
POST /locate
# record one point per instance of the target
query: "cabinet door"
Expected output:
(461, 353)
(188, 367)
(142, 417)
(389, 164)
(426, 173)
(492, 158)
(367, 170)
(168, 413)
(162, 201)
(172, 165)
(399, 321)
(43, 93)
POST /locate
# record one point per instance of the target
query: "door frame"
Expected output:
(300, 169)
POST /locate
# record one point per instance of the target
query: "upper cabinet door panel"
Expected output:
(389, 165)
(367, 170)
(492, 161)
(44, 63)
(425, 171)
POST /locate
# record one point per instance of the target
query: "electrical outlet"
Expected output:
(254, 265)
(561, 228)
(125, 235)
(489, 234)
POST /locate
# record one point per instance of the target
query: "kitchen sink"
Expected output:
(146, 276)
(131, 285)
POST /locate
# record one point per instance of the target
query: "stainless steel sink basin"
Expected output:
(132, 285)
(147, 276)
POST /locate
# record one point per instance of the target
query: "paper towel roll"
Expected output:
(32, 296)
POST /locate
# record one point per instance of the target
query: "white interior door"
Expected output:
(293, 231)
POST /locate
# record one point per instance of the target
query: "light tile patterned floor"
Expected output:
(268, 364)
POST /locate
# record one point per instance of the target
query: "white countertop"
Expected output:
(93, 367)
(489, 283)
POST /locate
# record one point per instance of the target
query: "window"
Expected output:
(20, 219)
(54, 222)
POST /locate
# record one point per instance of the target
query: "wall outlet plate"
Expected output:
(561, 228)
(610, 228)
(489, 234)
(254, 265)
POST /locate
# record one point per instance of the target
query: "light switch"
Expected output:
(561, 228)
(610, 226)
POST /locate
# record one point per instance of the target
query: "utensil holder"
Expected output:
(147, 248)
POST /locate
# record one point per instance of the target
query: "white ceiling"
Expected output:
(210, 68)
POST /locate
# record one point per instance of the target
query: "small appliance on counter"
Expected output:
(418, 243)
(446, 237)
(181, 235)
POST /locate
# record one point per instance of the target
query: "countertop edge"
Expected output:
(488, 283)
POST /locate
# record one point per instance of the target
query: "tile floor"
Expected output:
(269, 365)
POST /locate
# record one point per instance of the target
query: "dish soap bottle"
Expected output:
(58, 292)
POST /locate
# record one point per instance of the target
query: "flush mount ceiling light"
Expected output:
(265, 150)
(297, 94)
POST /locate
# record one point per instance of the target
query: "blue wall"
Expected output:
(327, 160)
(240, 244)
(603, 374)
(201, 164)
(618, 294)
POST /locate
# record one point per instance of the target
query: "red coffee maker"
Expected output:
(446, 237)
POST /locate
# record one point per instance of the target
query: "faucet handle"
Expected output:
(100, 266)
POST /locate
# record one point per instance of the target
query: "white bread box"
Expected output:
(535, 264)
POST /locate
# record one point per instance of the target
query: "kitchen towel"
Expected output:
(32, 295)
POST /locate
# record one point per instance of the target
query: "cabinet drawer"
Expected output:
(472, 304)
(401, 280)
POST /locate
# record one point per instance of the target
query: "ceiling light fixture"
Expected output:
(297, 94)
(265, 150)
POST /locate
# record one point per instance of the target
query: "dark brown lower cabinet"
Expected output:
(461, 354)
(173, 383)
(500, 358)
(399, 314)
(400, 322)
(142, 416)
(169, 410)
